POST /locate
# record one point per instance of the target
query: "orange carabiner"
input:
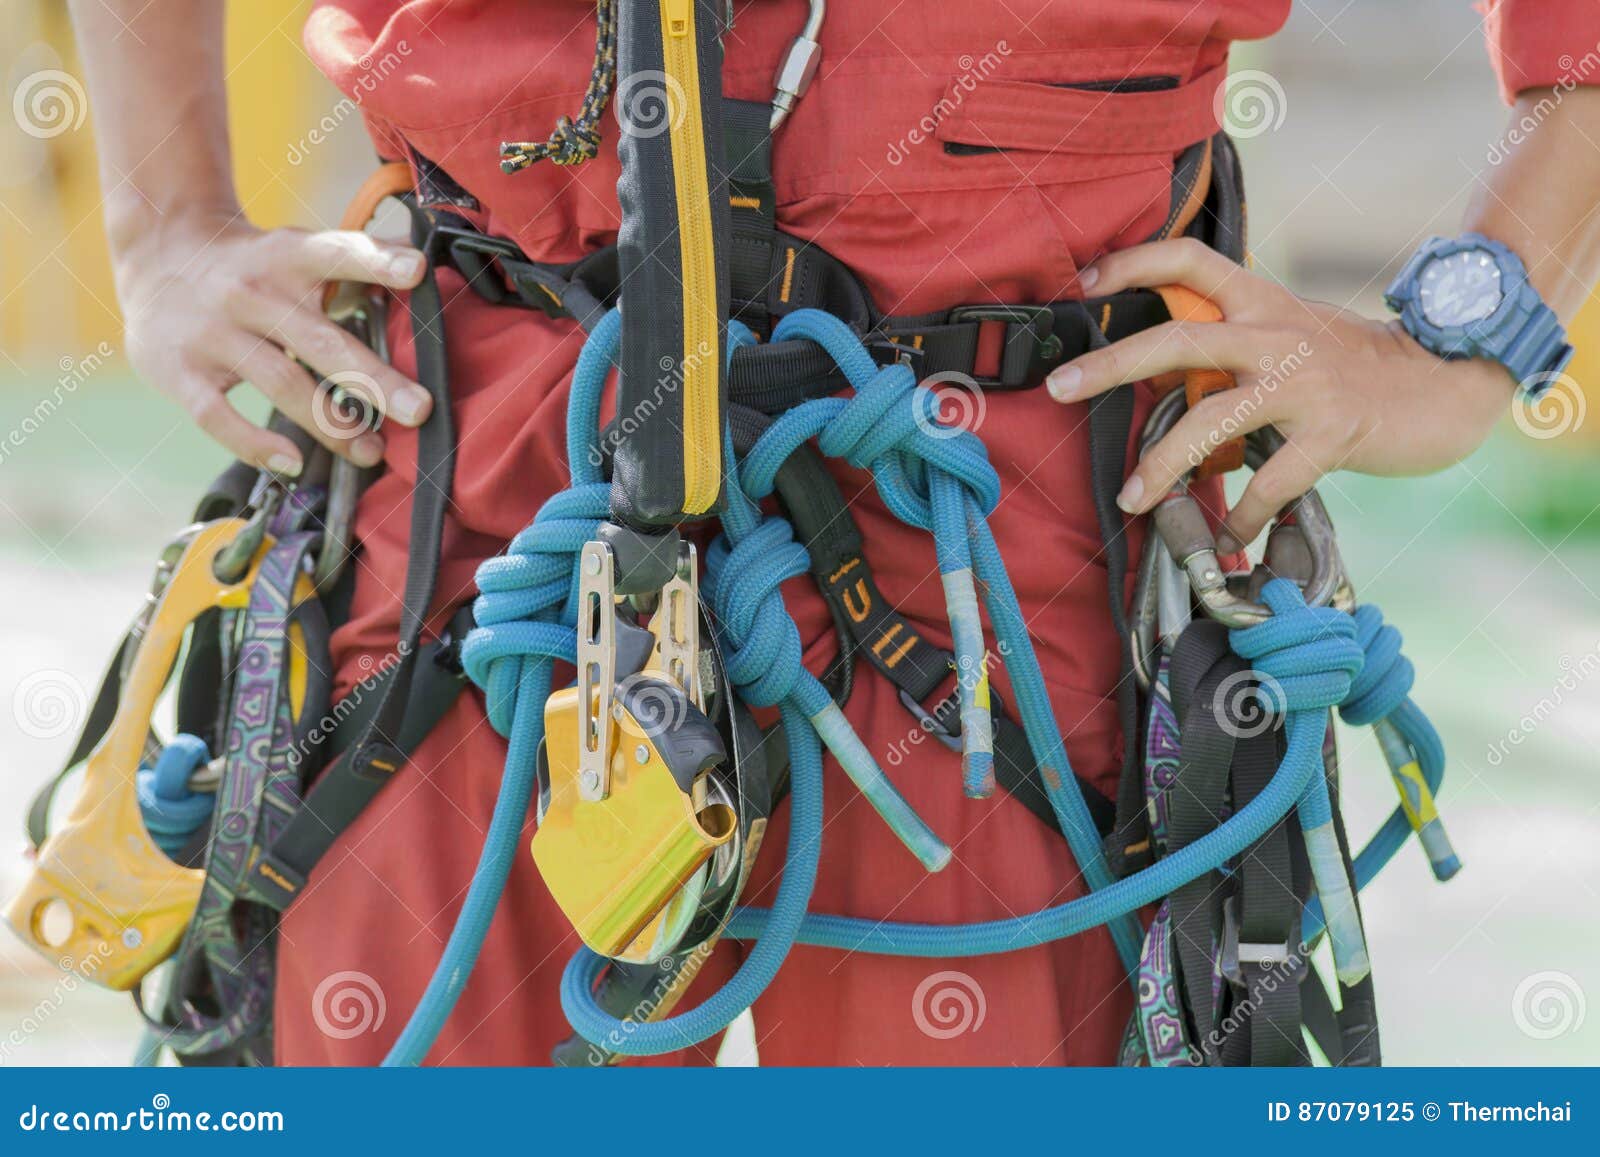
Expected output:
(1184, 304)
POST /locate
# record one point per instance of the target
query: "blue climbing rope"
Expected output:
(940, 480)
(172, 813)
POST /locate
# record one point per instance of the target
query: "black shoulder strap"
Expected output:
(380, 746)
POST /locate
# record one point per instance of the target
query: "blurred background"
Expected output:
(1374, 120)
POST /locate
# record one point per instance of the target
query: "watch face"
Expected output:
(1461, 288)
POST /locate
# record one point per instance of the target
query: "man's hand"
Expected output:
(209, 303)
(1346, 392)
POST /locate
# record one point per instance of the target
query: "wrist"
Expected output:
(136, 219)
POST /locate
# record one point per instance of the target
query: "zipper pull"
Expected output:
(678, 14)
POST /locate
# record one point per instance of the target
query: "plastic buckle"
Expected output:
(1037, 322)
(1234, 954)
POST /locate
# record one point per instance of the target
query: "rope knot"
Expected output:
(1307, 658)
(527, 602)
(742, 585)
(573, 142)
(1387, 676)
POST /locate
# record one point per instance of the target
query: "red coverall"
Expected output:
(861, 168)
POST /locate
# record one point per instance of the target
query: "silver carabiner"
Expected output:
(799, 66)
(1182, 526)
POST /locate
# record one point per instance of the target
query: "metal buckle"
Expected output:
(947, 737)
(1233, 953)
(887, 353)
(1037, 321)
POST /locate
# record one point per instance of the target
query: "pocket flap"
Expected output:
(1032, 115)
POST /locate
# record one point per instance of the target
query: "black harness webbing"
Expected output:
(381, 744)
(1250, 920)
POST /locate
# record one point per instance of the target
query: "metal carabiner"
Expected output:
(1182, 526)
(364, 312)
(233, 560)
(799, 66)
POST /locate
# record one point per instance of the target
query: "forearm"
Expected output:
(155, 76)
(1543, 199)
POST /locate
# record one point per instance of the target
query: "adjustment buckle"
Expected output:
(1034, 324)
(1233, 954)
(887, 352)
(948, 734)
(944, 721)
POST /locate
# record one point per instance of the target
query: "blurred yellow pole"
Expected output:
(56, 294)
(1585, 371)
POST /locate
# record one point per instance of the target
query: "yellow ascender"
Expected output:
(629, 813)
(102, 898)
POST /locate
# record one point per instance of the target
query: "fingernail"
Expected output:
(1227, 544)
(409, 405)
(1063, 383)
(1132, 491)
(286, 464)
(1087, 276)
(405, 266)
(367, 450)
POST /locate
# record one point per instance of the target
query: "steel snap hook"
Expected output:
(799, 66)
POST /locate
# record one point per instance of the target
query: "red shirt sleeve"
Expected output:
(1543, 43)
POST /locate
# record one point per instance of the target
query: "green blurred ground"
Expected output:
(1490, 569)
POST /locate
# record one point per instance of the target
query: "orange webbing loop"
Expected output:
(388, 180)
(1184, 304)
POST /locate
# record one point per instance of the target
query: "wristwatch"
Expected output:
(1470, 298)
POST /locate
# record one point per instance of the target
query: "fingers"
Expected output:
(1173, 345)
(1284, 477)
(345, 431)
(338, 255)
(1217, 419)
(339, 357)
(1190, 263)
(204, 400)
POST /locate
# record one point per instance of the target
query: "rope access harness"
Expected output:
(940, 480)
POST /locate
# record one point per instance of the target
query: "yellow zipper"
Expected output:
(702, 449)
